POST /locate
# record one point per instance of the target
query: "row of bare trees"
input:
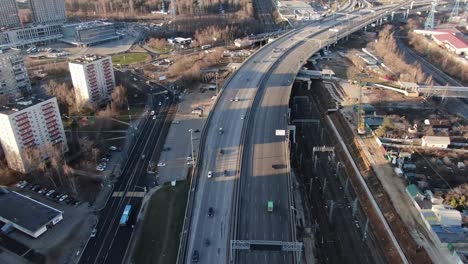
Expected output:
(446, 61)
(132, 8)
(48, 159)
(188, 68)
(386, 47)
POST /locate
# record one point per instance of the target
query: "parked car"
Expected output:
(93, 233)
(162, 164)
(36, 188)
(21, 184)
(63, 198)
(43, 190)
(49, 193)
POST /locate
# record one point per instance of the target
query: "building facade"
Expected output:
(9, 14)
(48, 11)
(14, 79)
(29, 123)
(89, 33)
(35, 34)
(93, 79)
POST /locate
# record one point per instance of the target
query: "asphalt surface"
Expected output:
(111, 241)
(263, 149)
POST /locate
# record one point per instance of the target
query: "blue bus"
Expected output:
(125, 215)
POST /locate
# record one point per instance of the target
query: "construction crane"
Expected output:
(455, 10)
(429, 24)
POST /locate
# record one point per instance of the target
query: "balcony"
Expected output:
(21, 118)
(28, 143)
(24, 124)
(27, 137)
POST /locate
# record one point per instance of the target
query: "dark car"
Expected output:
(211, 211)
(195, 256)
(196, 130)
(166, 148)
(34, 187)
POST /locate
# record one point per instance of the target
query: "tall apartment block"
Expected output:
(14, 78)
(27, 123)
(48, 11)
(93, 78)
(9, 14)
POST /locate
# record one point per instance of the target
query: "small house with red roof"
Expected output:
(451, 39)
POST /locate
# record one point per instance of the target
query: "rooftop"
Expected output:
(88, 24)
(87, 59)
(454, 40)
(24, 211)
(23, 103)
(437, 139)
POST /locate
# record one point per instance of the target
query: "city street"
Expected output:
(111, 240)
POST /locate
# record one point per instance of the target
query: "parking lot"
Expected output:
(58, 243)
(174, 160)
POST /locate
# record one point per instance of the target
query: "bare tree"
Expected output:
(119, 96)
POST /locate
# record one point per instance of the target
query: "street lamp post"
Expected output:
(191, 144)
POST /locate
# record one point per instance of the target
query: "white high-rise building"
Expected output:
(48, 11)
(14, 78)
(93, 79)
(30, 123)
(9, 14)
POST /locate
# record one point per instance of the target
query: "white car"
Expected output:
(159, 103)
(162, 164)
(63, 198)
(113, 148)
(100, 168)
(154, 117)
(242, 117)
(152, 112)
(93, 233)
(210, 174)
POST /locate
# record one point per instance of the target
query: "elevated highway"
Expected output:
(243, 177)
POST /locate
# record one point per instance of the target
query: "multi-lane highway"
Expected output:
(110, 243)
(262, 85)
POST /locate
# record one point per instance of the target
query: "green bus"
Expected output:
(270, 206)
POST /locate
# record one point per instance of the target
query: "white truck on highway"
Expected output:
(220, 130)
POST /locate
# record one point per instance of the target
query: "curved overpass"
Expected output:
(263, 85)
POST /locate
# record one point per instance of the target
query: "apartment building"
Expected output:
(48, 11)
(14, 79)
(9, 14)
(32, 122)
(93, 78)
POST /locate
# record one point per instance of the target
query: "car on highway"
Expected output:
(206, 242)
(159, 103)
(195, 256)
(162, 164)
(93, 233)
(143, 156)
(154, 117)
(166, 149)
(152, 112)
(220, 131)
(22, 184)
(112, 148)
(175, 122)
(242, 117)
(210, 174)
(196, 130)
(210, 212)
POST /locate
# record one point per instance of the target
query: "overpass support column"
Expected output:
(308, 85)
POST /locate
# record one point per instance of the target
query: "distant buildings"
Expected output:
(9, 14)
(48, 16)
(14, 78)
(89, 33)
(93, 78)
(28, 123)
(48, 11)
